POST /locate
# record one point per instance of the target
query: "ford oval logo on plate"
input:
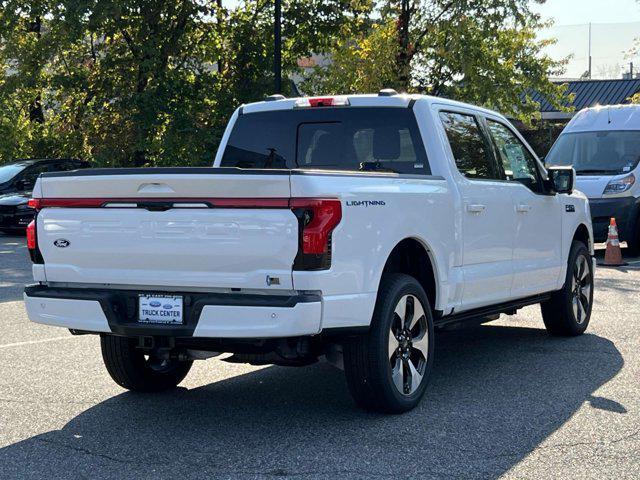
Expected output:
(167, 306)
(154, 304)
(62, 243)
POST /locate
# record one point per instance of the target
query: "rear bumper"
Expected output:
(624, 209)
(206, 315)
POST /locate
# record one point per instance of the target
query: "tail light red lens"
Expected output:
(321, 102)
(32, 242)
(318, 218)
(340, 101)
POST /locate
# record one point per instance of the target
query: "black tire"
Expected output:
(367, 358)
(633, 243)
(559, 313)
(130, 369)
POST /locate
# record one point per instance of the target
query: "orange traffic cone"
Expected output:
(613, 254)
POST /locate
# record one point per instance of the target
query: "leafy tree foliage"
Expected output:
(143, 82)
(480, 51)
(153, 82)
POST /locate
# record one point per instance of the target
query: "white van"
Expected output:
(603, 146)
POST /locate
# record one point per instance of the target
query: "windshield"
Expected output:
(597, 153)
(7, 172)
(339, 138)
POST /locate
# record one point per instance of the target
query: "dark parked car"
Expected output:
(16, 183)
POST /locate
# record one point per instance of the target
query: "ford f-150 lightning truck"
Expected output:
(346, 228)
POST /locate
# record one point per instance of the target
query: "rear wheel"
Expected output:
(133, 369)
(633, 243)
(388, 368)
(568, 311)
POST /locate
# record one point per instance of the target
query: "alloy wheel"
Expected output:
(408, 344)
(582, 283)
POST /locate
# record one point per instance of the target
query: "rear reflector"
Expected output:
(40, 203)
(322, 102)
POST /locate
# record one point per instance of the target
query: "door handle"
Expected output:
(475, 208)
(523, 208)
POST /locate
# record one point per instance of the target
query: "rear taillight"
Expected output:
(32, 243)
(35, 203)
(317, 219)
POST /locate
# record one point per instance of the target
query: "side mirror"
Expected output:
(562, 179)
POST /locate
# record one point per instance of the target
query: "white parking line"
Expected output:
(32, 342)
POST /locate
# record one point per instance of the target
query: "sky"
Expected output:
(571, 12)
(615, 28)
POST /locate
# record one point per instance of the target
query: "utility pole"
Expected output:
(589, 50)
(277, 48)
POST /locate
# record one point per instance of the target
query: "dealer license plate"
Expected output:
(165, 309)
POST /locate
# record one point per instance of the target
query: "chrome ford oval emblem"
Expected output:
(62, 243)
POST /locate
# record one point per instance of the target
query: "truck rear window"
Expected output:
(337, 138)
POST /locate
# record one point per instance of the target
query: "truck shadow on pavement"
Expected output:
(496, 394)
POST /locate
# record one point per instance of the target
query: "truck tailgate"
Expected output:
(172, 229)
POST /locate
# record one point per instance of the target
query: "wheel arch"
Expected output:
(413, 257)
(582, 234)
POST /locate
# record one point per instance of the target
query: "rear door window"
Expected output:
(472, 155)
(339, 138)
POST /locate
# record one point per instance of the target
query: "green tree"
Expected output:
(144, 82)
(362, 63)
(480, 51)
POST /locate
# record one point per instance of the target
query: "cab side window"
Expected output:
(470, 150)
(517, 162)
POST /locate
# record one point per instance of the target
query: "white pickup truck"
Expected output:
(345, 228)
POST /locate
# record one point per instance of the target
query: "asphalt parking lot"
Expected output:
(505, 400)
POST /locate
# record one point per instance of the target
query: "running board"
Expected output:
(480, 313)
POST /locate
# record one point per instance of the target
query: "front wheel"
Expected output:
(388, 368)
(568, 311)
(133, 369)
